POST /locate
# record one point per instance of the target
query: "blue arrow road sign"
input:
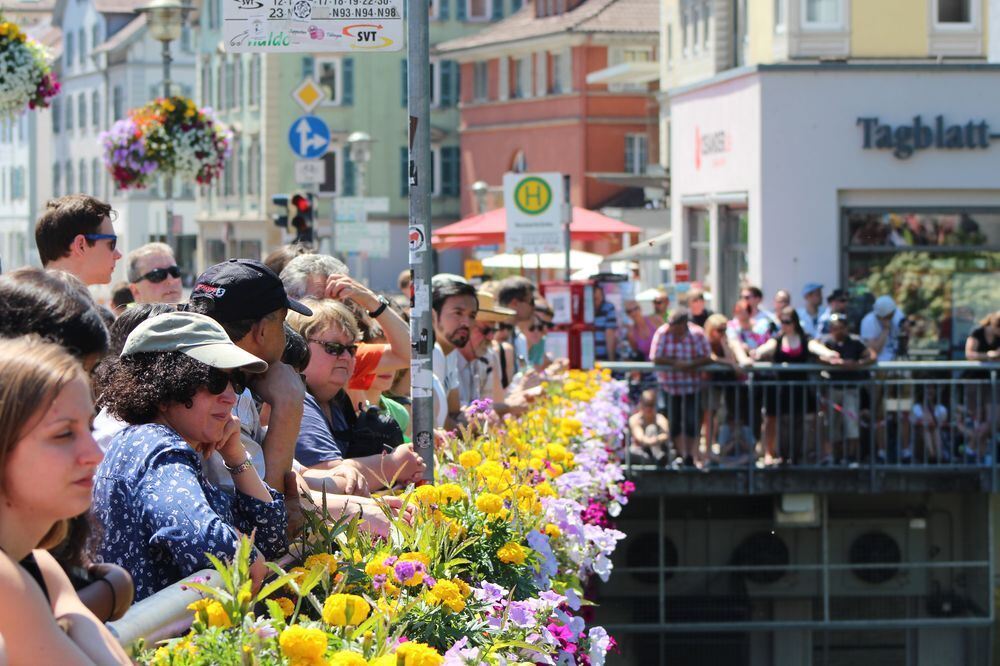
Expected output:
(308, 137)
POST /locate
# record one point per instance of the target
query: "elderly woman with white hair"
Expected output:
(307, 275)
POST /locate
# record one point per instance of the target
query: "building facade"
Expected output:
(362, 92)
(527, 104)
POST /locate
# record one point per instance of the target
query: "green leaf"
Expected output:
(274, 585)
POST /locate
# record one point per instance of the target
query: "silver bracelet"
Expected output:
(242, 467)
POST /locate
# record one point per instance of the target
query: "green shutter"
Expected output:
(450, 172)
(348, 173)
(447, 68)
(402, 69)
(497, 10)
(443, 7)
(514, 5)
(348, 74)
(308, 62)
(404, 172)
(460, 9)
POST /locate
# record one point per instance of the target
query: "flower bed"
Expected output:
(26, 79)
(491, 569)
(169, 136)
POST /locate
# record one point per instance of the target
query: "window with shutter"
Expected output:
(348, 184)
(497, 10)
(347, 94)
(308, 66)
(443, 7)
(480, 81)
(403, 82)
(460, 10)
(451, 185)
(404, 172)
(448, 84)
(328, 75)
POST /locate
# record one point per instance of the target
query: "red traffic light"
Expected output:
(302, 203)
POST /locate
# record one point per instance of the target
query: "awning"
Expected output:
(577, 260)
(627, 72)
(489, 228)
(657, 247)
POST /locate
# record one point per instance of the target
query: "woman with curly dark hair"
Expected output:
(176, 383)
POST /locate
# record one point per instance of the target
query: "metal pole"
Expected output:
(168, 184)
(421, 260)
(567, 221)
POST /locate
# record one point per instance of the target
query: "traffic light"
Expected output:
(302, 212)
(280, 218)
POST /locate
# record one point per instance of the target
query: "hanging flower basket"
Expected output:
(26, 79)
(167, 137)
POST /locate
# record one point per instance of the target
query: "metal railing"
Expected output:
(931, 415)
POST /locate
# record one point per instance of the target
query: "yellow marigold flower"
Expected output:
(470, 459)
(463, 587)
(286, 604)
(555, 470)
(211, 612)
(545, 489)
(303, 645)
(322, 560)
(418, 654)
(450, 492)
(161, 657)
(512, 553)
(489, 503)
(426, 495)
(535, 463)
(376, 566)
(385, 660)
(448, 593)
(389, 608)
(345, 658)
(490, 469)
(414, 556)
(391, 588)
(345, 610)
(298, 573)
(556, 452)
(553, 530)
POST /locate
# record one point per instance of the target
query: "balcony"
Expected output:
(900, 427)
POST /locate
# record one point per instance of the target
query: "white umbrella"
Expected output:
(577, 260)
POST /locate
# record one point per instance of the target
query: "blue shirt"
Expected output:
(161, 515)
(317, 442)
(604, 318)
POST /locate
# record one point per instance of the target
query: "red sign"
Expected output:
(681, 272)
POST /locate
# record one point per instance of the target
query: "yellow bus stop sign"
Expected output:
(532, 196)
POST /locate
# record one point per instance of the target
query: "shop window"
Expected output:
(822, 14)
(954, 11)
(636, 153)
(941, 266)
(735, 264)
(480, 81)
(700, 242)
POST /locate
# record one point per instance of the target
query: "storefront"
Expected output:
(877, 178)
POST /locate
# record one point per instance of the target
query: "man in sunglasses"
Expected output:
(153, 275)
(75, 234)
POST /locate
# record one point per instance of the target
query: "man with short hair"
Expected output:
(75, 234)
(881, 328)
(454, 307)
(518, 294)
(845, 394)
(696, 306)
(475, 373)
(682, 347)
(809, 315)
(153, 274)
(605, 327)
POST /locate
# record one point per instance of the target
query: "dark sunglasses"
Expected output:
(109, 237)
(218, 380)
(661, 301)
(158, 275)
(537, 328)
(335, 348)
(787, 321)
(506, 327)
(487, 331)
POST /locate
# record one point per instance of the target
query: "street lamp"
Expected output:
(480, 188)
(165, 19)
(360, 145)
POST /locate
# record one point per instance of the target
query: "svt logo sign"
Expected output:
(366, 36)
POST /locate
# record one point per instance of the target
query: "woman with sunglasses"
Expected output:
(176, 383)
(327, 437)
(794, 403)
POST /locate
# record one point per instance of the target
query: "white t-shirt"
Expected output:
(445, 369)
(871, 329)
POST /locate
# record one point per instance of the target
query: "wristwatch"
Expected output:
(242, 467)
(380, 309)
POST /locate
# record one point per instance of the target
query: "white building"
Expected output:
(874, 178)
(109, 65)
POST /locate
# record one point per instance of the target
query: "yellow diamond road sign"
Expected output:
(308, 95)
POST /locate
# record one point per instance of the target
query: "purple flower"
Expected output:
(405, 570)
(521, 614)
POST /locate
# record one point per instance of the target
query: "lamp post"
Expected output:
(165, 19)
(480, 189)
(360, 146)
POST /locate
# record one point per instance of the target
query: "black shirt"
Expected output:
(979, 335)
(851, 349)
(701, 318)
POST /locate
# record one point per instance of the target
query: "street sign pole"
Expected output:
(421, 261)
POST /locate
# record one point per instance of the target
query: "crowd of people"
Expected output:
(714, 416)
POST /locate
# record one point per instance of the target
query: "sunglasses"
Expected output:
(537, 328)
(158, 275)
(335, 348)
(487, 331)
(787, 321)
(218, 380)
(660, 302)
(506, 327)
(109, 237)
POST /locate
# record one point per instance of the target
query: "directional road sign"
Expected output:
(309, 137)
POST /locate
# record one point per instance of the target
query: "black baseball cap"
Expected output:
(837, 295)
(243, 289)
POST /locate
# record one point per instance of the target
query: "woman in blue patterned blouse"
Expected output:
(175, 384)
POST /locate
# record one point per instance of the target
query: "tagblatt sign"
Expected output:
(288, 26)
(534, 207)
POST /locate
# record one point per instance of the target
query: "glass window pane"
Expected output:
(908, 229)
(825, 12)
(954, 11)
